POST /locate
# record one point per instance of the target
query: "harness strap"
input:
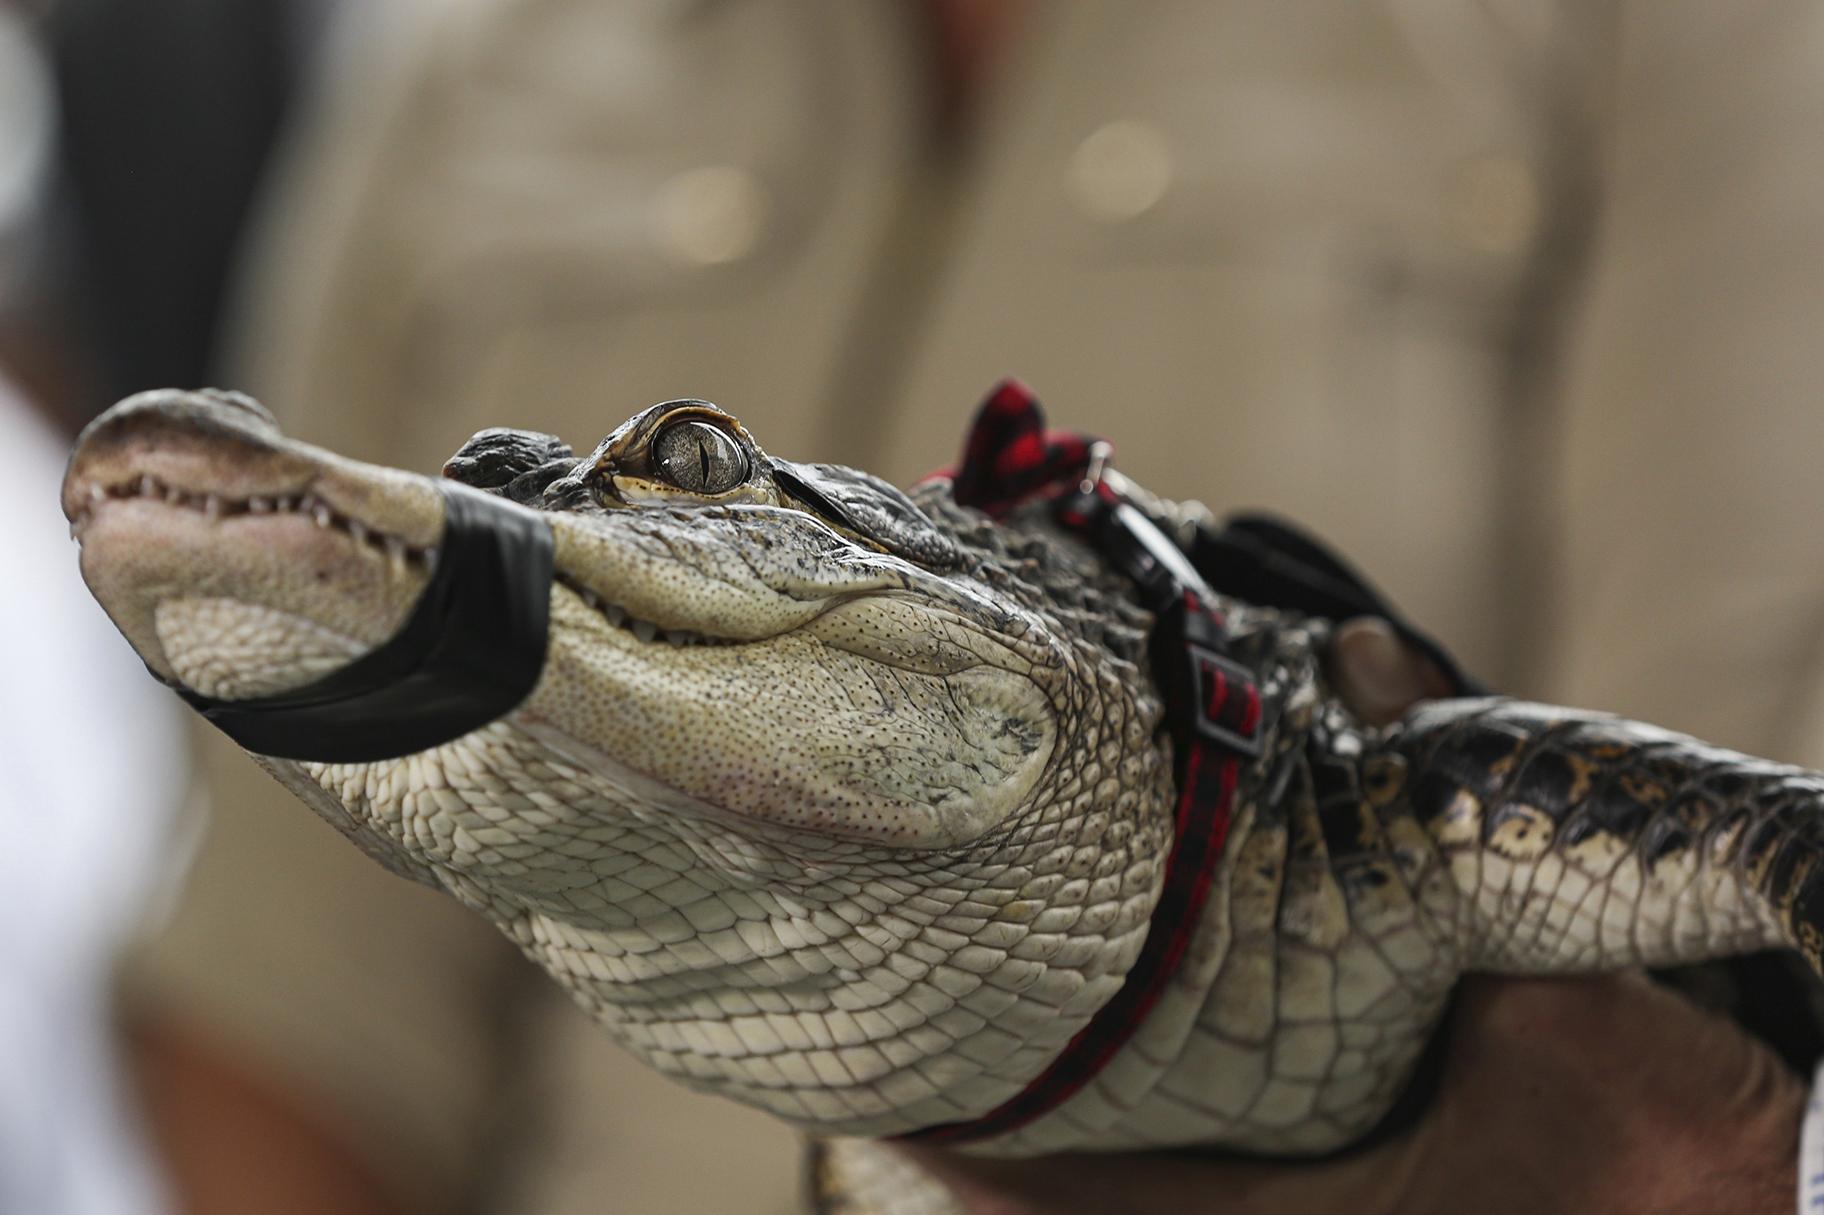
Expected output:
(1214, 712)
(1264, 560)
(1214, 707)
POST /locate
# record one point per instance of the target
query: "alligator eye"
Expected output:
(699, 458)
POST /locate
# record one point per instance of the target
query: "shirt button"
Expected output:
(1492, 204)
(711, 216)
(1120, 171)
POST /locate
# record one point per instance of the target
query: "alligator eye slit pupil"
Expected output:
(699, 458)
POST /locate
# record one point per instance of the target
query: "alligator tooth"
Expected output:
(174, 496)
(285, 505)
(97, 494)
(430, 558)
(212, 505)
(258, 506)
(644, 631)
(322, 514)
(148, 487)
(617, 616)
(395, 553)
(680, 637)
(358, 530)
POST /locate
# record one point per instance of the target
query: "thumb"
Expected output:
(1377, 674)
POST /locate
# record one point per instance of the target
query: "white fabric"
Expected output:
(1811, 1149)
(94, 761)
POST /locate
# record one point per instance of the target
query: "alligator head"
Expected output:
(841, 802)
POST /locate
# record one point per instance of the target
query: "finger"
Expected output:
(1377, 674)
(1181, 1183)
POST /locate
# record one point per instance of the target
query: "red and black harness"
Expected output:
(1215, 713)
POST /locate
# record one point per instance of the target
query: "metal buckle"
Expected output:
(1239, 678)
(1165, 576)
(1154, 554)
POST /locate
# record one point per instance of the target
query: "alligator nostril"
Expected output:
(239, 400)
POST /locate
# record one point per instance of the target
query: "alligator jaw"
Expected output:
(199, 521)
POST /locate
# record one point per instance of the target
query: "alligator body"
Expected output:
(861, 819)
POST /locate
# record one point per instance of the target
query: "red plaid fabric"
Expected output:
(1010, 456)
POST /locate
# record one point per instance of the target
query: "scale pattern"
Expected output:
(1486, 835)
(865, 828)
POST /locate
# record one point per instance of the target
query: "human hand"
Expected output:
(1606, 1095)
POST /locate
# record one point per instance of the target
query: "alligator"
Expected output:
(856, 805)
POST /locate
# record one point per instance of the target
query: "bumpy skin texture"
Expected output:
(854, 806)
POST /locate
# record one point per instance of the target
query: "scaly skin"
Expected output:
(873, 845)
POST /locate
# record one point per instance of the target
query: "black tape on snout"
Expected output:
(470, 652)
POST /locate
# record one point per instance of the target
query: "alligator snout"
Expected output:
(235, 560)
(207, 442)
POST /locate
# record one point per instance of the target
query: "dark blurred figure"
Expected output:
(171, 111)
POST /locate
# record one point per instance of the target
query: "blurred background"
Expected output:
(1517, 302)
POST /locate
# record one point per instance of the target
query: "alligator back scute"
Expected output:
(1585, 841)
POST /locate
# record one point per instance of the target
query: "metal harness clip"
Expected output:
(1225, 706)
